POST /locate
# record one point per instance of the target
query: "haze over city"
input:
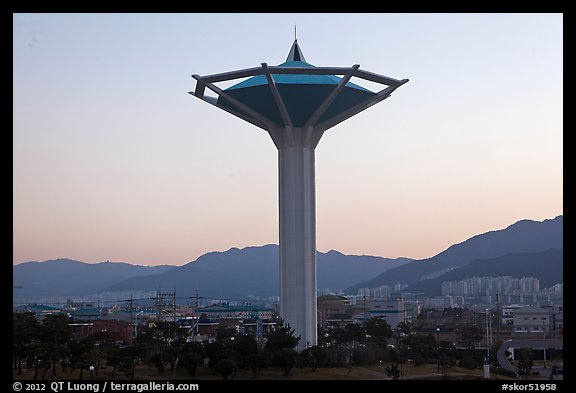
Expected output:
(113, 160)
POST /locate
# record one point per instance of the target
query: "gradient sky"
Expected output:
(113, 160)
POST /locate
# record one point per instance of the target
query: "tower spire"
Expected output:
(295, 52)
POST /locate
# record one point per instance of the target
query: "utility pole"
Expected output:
(498, 318)
(131, 309)
(174, 306)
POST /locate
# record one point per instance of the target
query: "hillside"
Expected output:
(547, 266)
(522, 236)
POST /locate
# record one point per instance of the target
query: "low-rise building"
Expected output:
(226, 311)
(333, 309)
(39, 310)
(391, 309)
(532, 320)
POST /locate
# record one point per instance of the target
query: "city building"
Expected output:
(391, 309)
(227, 311)
(532, 320)
(39, 310)
(333, 310)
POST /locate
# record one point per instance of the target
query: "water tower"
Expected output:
(296, 102)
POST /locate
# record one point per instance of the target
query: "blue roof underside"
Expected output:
(295, 79)
(301, 95)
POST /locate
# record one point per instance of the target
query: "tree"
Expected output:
(286, 359)
(419, 348)
(245, 345)
(393, 371)
(282, 337)
(224, 334)
(226, 367)
(194, 347)
(525, 363)
(405, 328)
(468, 361)
(130, 357)
(190, 362)
(470, 335)
(354, 332)
(80, 355)
(40, 355)
(157, 356)
(378, 330)
(57, 334)
(225, 353)
(257, 362)
(314, 356)
(25, 331)
(113, 358)
(214, 347)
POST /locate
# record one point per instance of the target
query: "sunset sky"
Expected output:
(114, 160)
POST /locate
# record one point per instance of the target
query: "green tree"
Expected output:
(157, 356)
(245, 345)
(405, 328)
(194, 347)
(393, 371)
(25, 332)
(286, 359)
(57, 334)
(354, 333)
(377, 330)
(80, 357)
(257, 362)
(113, 358)
(420, 348)
(130, 357)
(224, 334)
(190, 362)
(225, 353)
(226, 367)
(525, 363)
(214, 347)
(470, 335)
(314, 357)
(40, 357)
(282, 337)
(468, 361)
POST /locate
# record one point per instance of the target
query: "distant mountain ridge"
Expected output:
(522, 236)
(547, 266)
(67, 277)
(236, 273)
(254, 271)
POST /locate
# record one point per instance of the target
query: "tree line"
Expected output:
(49, 346)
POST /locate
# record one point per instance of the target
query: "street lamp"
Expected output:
(438, 346)
(544, 338)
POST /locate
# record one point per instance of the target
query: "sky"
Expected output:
(114, 160)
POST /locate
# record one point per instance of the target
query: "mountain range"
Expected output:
(546, 266)
(525, 248)
(236, 273)
(522, 236)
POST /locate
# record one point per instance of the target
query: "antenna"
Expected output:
(295, 39)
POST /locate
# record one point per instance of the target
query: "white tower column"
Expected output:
(296, 102)
(297, 208)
